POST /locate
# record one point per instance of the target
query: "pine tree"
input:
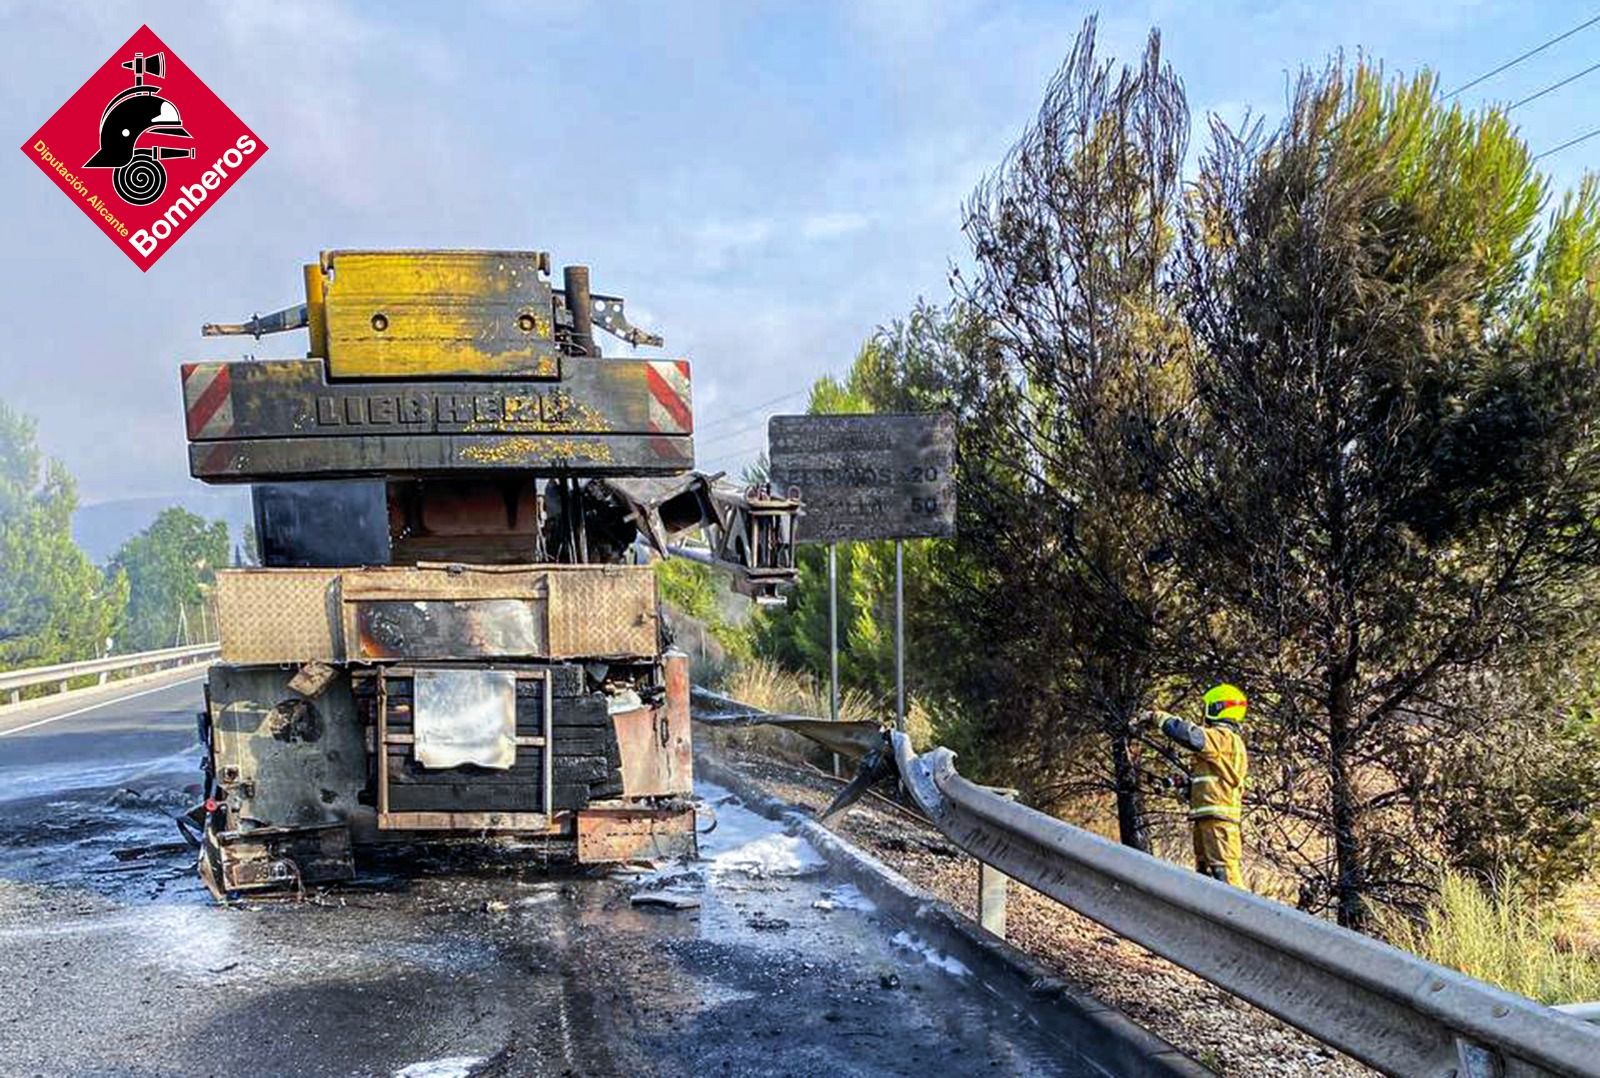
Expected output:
(1082, 352)
(1391, 476)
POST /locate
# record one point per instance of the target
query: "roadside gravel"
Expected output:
(1221, 1032)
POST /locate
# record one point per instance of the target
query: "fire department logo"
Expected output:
(133, 113)
(144, 148)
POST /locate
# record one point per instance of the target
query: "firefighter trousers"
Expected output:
(1218, 851)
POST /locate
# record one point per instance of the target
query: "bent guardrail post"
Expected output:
(992, 885)
(1385, 1007)
(992, 899)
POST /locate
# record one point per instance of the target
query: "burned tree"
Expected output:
(1070, 238)
(1390, 474)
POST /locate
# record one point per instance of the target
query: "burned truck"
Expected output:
(453, 629)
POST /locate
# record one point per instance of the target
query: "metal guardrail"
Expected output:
(1385, 1007)
(61, 675)
(1589, 1012)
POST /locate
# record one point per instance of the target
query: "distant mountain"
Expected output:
(102, 527)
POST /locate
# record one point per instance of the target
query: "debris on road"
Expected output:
(930, 954)
(846, 896)
(154, 849)
(126, 798)
(668, 900)
(748, 844)
(455, 953)
(450, 1067)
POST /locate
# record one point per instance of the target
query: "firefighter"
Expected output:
(1216, 779)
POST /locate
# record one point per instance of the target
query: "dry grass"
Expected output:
(771, 688)
(1580, 911)
(763, 685)
(768, 687)
(1497, 935)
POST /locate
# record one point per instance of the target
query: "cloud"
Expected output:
(769, 183)
(349, 106)
(713, 245)
(827, 226)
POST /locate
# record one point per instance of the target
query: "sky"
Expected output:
(765, 183)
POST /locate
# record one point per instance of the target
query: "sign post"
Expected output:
(900, 635)
(833, 640)
(867, 477)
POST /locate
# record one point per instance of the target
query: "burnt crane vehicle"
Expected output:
(454, 631)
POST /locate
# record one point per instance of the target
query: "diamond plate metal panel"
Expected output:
(297, 615)
(607, 611)
(278, 615)
(444, 582)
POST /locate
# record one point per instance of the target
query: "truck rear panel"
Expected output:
(452, 634)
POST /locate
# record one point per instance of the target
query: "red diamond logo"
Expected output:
(144, 148)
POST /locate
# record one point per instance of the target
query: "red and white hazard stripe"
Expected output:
(207, 400)
(670, 410)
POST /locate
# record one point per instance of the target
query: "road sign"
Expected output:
(867, 476)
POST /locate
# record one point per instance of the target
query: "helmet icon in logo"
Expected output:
(133, 113)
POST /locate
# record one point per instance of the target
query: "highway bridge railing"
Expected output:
(62, 676)
(1384, 1006)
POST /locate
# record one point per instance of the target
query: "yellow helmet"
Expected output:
(1225, 702)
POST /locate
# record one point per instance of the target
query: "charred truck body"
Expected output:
(450, 634)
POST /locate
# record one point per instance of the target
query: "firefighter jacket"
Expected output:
(1216, 779)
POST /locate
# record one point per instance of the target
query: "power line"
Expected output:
(1517, 60)
(727, 434)
(1564, 145)
(764, 404)
(739, 454)
(1553, 86)
(721, 437)
(735, 455)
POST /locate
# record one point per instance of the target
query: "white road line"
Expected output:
(103, 703)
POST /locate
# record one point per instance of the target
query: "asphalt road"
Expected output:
(481, 965)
